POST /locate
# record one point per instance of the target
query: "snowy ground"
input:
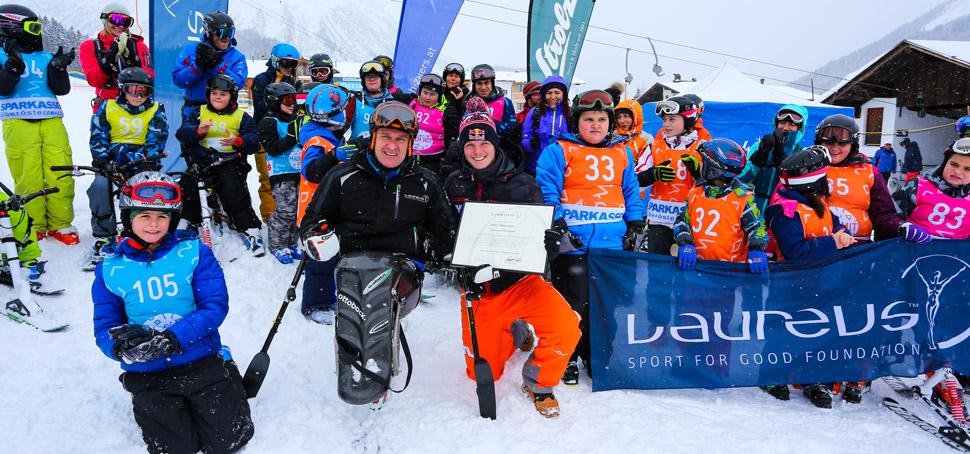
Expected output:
(61, 394)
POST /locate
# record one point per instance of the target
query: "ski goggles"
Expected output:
(788, 115)
(395, 116)
(138, 91)
(454, 68)
(668, 107)
(288, 100)
(483, 73)
(835, 134)
(372, 67)
(224, 32)
(321, 72)
(30, 26)
(290, 63)
(962, 146)
(431, 79)
(594, 99)
(121, 20)
(154, 191)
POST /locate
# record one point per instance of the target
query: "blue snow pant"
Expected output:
(319, 287)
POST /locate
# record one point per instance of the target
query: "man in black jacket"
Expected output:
(487, 174)
(380, 199)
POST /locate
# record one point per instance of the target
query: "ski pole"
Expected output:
(256, 372)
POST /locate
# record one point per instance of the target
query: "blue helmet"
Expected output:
(722, 158)
(284, 51)
(963, 126)
(327, 105)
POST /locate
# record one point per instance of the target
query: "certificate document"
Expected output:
(504, 235)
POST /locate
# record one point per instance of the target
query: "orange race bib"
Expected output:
(715, 225)
(849, 189)
(306, 187)
(592, 189)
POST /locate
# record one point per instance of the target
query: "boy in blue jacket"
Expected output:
(158, 302)
(215, 53)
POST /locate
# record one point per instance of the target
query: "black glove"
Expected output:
(206, 57)
(634, 234)
(106, 57)
(553, 239)
(15, 62)
(660, 172)
(141, 344)
(768, 153)
(779, 150)
(60, 61)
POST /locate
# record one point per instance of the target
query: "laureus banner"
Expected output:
(557, 29)
(173, 24)
(890, 308)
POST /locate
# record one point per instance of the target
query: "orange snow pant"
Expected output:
(267, 204)
(536, 302)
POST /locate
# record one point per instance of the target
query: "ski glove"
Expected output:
(15, 64)
(345, 152)
(206, 57)
(686, 257)
(560, 239)
(634, 235)
(757, 262)
(660, 172)
(915, 233)
(320, 242)
(140, 344)
(131, 60)
(693, 165)
(106, 57)
(60, 61)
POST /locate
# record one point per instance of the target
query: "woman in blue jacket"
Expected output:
(547, 121)
(158, 302)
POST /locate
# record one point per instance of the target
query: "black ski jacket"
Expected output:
(503, 181)
(402, 210)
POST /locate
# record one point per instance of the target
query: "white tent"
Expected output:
(728, 84)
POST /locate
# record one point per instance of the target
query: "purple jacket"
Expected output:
(552, 124)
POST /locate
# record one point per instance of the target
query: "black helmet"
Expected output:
(454, 68)
(135, 75)
(275, 93)
(225, 83)
(806, 170)
(679, 105)
(592, 100)
(697, 102)
(321, 61)
(19, 23)
(219, 24)
(721, 159)
(432, 81)
(483, 72)
(838, 129)
(373, 67)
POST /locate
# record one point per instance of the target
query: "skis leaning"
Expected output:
(950, 432)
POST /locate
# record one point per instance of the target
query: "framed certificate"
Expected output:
(506, 236)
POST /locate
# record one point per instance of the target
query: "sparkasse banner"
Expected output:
(557, 29)
(890, 308)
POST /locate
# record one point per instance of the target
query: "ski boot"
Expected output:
(779, 392)
(571, 376)
(819, 393)
(35, 273)
(322, 316)
(254, 242)
(852, 391)
(546, 403)
(283, 256)
(67, 235)
(948, 394)
(296, 252)
(98, 251)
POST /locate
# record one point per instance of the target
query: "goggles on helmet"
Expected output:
(119, 19)
(395, 116)
(152, 191)
(454, 68)
(595, 99)
(30, 26)
(668, 107)
(372, 67)
(432, 79)
(483, 73)
(320, 72)
(835, 134)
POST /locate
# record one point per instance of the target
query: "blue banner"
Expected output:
(422, 31)
(174, 23)
(889, 308)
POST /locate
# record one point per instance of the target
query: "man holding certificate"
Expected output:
(487, 174)
(589, 178)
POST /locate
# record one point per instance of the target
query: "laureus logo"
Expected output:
(937, 271)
